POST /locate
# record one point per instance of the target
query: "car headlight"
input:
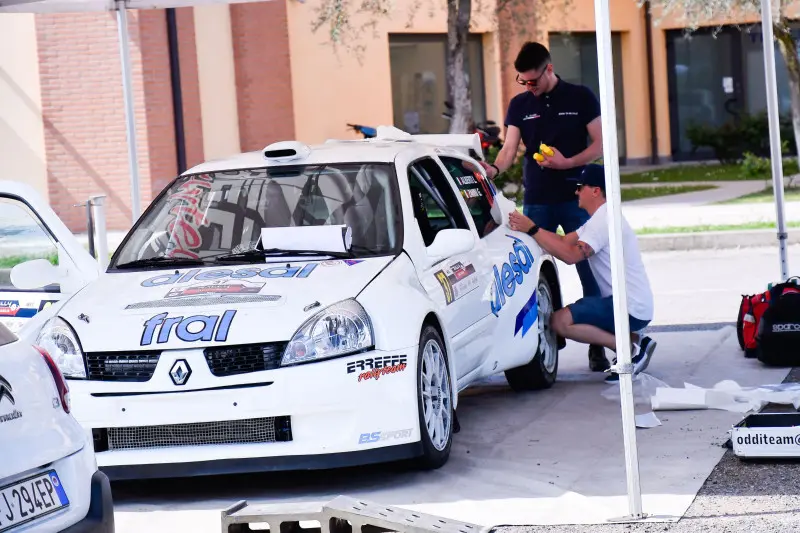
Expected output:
(58, 339)
(339, 329)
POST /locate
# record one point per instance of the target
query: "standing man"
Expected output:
(591, 319)
(565, 117)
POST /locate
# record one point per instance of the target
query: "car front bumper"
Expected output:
(100, 518)
(327, 414)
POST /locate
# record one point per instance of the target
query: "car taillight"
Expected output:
(58, 377)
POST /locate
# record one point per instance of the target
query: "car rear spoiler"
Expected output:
(469, 143)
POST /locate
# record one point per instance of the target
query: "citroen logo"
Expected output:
(5, 390)
(180, 372)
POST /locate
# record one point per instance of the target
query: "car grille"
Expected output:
(121, 366)
(232, 360)
(248, 431)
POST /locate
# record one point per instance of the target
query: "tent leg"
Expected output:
(127, 88)
(622, 328)
(774, 131)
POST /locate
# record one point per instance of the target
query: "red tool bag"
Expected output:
(751, 310)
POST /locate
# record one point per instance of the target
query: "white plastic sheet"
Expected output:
(725, 395)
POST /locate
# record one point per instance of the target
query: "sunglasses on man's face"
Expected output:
(531, 83)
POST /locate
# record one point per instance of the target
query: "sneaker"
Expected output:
(597, 359)
(612, 376)
(637, 359)
(645, 352)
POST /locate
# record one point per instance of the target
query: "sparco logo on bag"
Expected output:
(777, 328)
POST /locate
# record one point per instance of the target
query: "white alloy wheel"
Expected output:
(548, 342)
(436, 397)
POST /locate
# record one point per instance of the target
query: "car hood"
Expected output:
(192, 307)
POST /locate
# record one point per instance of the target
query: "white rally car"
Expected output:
(303, 307)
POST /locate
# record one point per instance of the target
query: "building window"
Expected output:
(574, 57)
(419, 83)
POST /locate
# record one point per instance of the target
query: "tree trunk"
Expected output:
(788, 49)
(458, 17)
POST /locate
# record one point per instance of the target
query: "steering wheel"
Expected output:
(154, 244)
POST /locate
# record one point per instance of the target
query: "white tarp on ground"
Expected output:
(551, 457)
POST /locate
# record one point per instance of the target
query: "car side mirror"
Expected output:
(35, 274)
(450, 242)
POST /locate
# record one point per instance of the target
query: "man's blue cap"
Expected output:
(593, 175)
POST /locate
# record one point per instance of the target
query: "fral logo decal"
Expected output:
(225, 273)
(188, 329)
(511, 274)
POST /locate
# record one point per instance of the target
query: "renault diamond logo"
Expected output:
(180, 372)
(5, 390)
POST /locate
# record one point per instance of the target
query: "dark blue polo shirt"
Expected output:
(557, 119)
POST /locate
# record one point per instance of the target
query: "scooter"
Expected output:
(488, 131)
(367, 131)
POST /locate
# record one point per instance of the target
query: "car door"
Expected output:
(30, 230)
(508, 266)
(455, 283)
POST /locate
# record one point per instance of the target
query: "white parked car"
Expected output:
(303, 307)
(49, 479)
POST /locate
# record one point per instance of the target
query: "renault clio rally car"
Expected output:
(303, 307)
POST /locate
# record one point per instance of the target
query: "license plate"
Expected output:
(30, 499)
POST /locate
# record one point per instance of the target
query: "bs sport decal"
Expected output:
(188, 329)
(216, 287)
(225, 273)
(378, 436)
(375, 367)
(511, 274)
(457, 280)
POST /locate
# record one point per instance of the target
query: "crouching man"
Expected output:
(590, 320)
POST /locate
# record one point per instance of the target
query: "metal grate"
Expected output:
(121, 366)
(204, 300)
(242, 359)
(253, 430)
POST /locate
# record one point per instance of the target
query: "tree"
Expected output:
(699, 12)
(347, 23)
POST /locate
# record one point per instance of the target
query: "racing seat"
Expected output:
(366, 213)
(277, 213)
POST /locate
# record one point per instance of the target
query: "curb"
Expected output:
(713, 240)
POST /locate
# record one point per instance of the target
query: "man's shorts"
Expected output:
(599, 312)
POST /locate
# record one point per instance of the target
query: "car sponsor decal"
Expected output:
(526, 316)
(337, 262)
(378, 436)
(215, 287)
(184, 229)
(375, 367)
(511, 274)
(44, 304)
(225, 273)
(457, 280)
(13, 308)
(188, 329)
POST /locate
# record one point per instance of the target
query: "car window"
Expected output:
(432, 173)
(23, 237)
(205, 215)
(478, 193)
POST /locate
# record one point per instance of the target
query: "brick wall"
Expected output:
(263, 73)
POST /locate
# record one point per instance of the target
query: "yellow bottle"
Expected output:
(546, 149)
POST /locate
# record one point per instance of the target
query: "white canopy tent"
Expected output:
(610, 156)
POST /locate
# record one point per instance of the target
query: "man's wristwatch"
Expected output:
(495, 168)
(533, 230)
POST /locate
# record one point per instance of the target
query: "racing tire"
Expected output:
(541, 371)
(434, 400)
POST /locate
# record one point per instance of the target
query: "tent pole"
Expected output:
(130, 119)
(774, 130)
(611, 163)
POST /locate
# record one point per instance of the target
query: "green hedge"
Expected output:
(750, 134)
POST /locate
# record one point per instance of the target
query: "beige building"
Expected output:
(246, 75)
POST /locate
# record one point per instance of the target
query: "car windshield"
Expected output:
(203, 217)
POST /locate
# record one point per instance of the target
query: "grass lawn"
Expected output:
(640, 193)
(699, 229)
(702, 172)
(766, 196)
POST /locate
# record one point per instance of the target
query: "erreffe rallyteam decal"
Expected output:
(375, 367)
